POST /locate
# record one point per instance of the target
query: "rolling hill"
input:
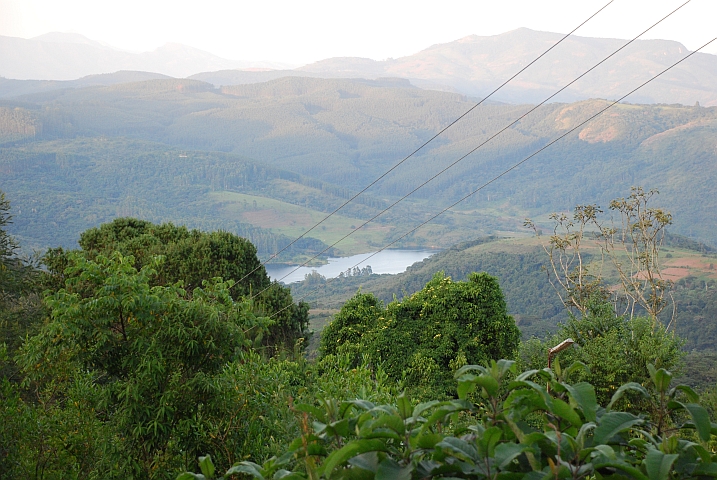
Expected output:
(346, 132)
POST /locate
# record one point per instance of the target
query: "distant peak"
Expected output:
(64, 37)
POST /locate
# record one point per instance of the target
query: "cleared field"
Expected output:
(293, 220)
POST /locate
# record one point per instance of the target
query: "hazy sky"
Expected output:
(299, 32)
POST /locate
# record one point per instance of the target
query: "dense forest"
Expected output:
(141, 334)
(154, 346)
(319, 141)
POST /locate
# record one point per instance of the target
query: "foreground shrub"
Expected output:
(534, 425)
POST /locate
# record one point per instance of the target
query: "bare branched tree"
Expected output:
(574, 279)
(634, 248)
(632, 244)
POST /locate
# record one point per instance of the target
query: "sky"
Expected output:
(300, 32)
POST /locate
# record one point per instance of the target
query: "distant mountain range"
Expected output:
(67, 56)
(472, 65)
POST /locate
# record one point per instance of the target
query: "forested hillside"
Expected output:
(520, 266)
(152, 345)
(344, 133)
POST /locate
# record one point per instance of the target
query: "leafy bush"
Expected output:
(192, 257)
(424, 338)
(534, 425)
(615, 349)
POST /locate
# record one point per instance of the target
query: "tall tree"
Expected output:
(424, 338)
(193, 257)
(152, 353)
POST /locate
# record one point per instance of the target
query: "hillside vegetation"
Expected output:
(338, 135)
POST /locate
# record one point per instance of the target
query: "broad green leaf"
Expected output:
(613, 423)
(526, 375)
(206, 466)
(563, 410)
(351, 449)
(470, 368)
(445, 409)
(404, 406)
(249, 468)
(489, 440)
(576, 365)
(366, 461)
(583, 394)
(190, 476)
(604, 450)
(427, 440)
(507, 452)
(390, 421)
(459, 448)
(390, 470)
(340, 428)
(705, 469)
(287, 475)
(661, 378)
(625, 388)
(700, 418)
(466, 385)
(489, 383)
(635, 473)
(692, 396)
(422, 407)
(658, 465)
(362, 404)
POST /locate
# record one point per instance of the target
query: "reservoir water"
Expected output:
(386, 261)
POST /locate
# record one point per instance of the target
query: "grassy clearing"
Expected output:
(293, 221)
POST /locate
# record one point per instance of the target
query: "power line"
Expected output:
(513, 167)
(484, 142)
(427, 142)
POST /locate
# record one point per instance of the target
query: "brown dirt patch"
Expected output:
(596, 134)
(675, 273)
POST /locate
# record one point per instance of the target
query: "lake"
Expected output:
(386, 261)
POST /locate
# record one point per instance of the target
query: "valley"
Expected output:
(561, 320)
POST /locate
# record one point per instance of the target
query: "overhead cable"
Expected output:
(427, 141)
(516, 165)
(484, 142)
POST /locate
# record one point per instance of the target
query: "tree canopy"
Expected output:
(422, 339)
(192, 257)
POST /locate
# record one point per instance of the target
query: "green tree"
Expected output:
(192, 257)
(615, 349)
(152, 352)
(424, 338)
(357, 317)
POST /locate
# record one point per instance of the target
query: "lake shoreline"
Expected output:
(389, 261)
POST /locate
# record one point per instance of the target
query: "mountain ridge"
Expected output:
(472, 65)
(60, 56)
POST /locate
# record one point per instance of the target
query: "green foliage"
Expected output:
(151, 352)
(20, 309)
(422, 339)
(614, 349)
(696, 300)
(532, 425)
(193, 257)
(358, 316)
